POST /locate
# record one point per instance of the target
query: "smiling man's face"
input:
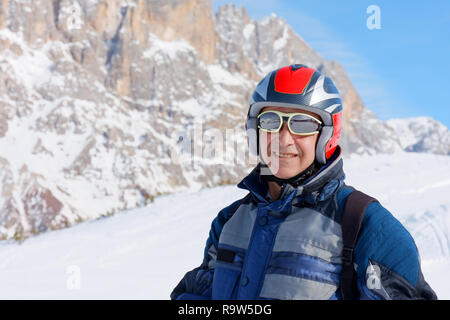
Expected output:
(287, 154)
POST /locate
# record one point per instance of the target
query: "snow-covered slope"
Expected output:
(143, 253)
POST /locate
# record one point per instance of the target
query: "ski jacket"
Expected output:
(291, 248)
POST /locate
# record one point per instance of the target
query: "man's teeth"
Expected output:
(284, 155)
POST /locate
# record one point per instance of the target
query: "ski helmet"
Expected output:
(301, 87)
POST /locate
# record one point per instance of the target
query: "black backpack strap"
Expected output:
(355, 206)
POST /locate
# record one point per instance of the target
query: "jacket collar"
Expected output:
(318, 187)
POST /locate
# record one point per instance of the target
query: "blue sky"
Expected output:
(400, 70)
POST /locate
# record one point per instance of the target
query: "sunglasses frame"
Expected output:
(289, 116)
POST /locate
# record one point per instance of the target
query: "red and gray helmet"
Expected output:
(298, 86)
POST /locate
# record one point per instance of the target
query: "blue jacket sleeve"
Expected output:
(195, 285)
(387, 260)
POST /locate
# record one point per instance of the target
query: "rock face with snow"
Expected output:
(105, 104)
(422, 134)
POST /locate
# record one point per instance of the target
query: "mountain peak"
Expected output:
(422, 134)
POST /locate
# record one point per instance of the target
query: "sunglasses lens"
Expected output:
(303, 124)
(269, 121)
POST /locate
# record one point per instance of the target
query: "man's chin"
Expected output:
(282, 174)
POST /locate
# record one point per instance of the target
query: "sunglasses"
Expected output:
(298, 123)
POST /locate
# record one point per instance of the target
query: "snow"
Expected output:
(431, 134)
(161, 49)
(143, 253)
(192, 106)
(33, 67)
(248, 30)
(219, 75)
(281, 42)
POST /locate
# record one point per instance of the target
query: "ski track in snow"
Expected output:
(143, 253)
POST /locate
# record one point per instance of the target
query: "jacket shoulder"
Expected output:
(219, 221)
(386, 257)
(384, 240)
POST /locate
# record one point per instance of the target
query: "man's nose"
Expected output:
(286, 138)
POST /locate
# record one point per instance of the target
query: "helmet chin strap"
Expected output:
(294, 181)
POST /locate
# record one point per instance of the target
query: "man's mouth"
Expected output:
(284, 155)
